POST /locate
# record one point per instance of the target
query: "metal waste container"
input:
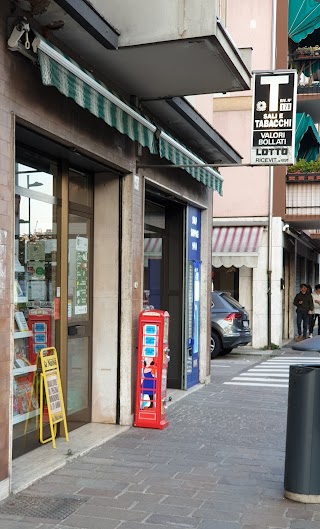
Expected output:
(302, 461)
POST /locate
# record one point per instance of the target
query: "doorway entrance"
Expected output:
(79, 350)
(53, 285)
(164, 272)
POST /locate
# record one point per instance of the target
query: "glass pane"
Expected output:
(36, 179)
(154, 216)
(152, 271)
(80, 188)
(78, 370)
(35, 301)
(78, 268)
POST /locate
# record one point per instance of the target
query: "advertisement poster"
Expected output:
(81, 301)
(274, 118)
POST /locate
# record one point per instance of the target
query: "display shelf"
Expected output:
(22, 334)
(23, 370)
(20, 418)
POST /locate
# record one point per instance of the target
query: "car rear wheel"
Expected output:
(226, 351)
(216, 344)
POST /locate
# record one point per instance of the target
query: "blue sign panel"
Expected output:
(194, 233)
(193, 296)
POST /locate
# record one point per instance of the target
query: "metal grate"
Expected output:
(41, 506)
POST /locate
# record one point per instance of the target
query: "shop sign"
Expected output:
(274, 118)
(194, 233)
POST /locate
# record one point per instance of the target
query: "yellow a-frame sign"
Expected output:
(50, 382)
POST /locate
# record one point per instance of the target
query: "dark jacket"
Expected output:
(307, 302)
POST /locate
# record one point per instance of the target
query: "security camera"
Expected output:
(19, 29)
(285, 227)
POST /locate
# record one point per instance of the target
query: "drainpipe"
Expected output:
(271, 179)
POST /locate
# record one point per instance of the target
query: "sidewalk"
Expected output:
(218, 465)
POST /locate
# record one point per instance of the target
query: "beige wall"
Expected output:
(249, 23)
(245, 189)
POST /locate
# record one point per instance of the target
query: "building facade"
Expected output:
(262, 244)
(95, 224)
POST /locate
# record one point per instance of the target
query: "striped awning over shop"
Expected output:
(207, 176)
(71, 80)
(236, 246)
(60, 71)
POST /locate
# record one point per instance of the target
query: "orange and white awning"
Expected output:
(236, 246)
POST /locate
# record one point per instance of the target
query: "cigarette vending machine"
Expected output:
(152, 369)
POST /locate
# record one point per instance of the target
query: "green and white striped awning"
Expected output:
(60, 71)
(180, 155)
(73, 81)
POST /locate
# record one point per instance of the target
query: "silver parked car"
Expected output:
(229, 324)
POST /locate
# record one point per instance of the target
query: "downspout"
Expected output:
(271, 180)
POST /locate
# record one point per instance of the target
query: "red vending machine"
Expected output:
(152, 369)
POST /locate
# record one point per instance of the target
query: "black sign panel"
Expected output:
(274, 118)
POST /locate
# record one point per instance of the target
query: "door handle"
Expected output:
(76, 330)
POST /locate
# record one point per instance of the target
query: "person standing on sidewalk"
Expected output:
(316, 310)
(304, 303)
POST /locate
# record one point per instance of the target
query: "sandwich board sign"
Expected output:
(274, 117)
(51, 389)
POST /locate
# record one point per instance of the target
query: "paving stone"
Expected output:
(141, 496)
(98, 511)
(98, 492)
(173, 491)
(207, 524)
(304, 524)
(163, 519)
(85, 522)
(270, 520)
(156, 508)
(181, 502)
(116, 503)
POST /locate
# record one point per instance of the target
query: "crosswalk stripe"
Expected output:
(259, 379)
(267, 373)
(273, 372)
(256, 384)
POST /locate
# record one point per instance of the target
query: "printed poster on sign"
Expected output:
(81, 302)
(274, 118)
(54, 396)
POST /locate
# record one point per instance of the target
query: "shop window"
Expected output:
(36, 305)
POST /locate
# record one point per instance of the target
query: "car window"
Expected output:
(216, 301)
(233, 302)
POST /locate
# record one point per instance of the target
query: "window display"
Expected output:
(35, 284)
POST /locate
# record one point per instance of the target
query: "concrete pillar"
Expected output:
(105, 298)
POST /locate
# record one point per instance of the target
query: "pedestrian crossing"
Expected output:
(271, 373)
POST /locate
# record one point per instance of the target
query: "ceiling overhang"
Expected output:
(178, 115)
(156, 70)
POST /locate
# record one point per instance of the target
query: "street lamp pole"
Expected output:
(271, 183)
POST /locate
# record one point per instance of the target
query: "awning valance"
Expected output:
(307, 141)
(236, 246)
(178, 154)
(60, 71)
(304, 18)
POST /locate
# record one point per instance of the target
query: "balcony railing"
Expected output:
(303, 200)
(313, 88)
(303, 177)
